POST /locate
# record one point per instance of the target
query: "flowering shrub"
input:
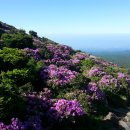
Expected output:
(75, 61)
(80, 56)
(37, 107)
(108, 81)
(67, 108)
(96, 71)
(57, 76)
(72, 64)
(59, 62)
(118, 84)
(121, 75)
(123, 83)
(117, 88)
(95, 92)
(45, 94)
(33, 53)
(59, 51)
(60, 55)
(15, 125)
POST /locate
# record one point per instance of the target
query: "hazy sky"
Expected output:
(68, 17)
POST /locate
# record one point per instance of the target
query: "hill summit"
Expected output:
(49, 86)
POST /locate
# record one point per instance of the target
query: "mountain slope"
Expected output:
(46, 85)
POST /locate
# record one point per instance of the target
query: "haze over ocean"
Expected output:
(99, 42)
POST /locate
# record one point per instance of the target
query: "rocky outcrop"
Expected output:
(116, 122)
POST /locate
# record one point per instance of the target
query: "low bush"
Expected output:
(12, 58)
(18, 40)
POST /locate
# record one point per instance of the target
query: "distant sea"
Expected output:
(97, 42)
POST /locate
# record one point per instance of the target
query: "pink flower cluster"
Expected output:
(95, 92)
(61, 51)
(67, 108)
(96, 71)
(81, 56)
(60, 55)
(15, 125)
(108, 80)
(34, 53)
(121, 75)
(58, 75)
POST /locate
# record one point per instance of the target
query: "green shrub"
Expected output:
(34, 70)
(12, 58)
(19, 40)
(33, 33)
(45, 54)
(21, 31)
(44, 39)
(15, 77)
(28, 87)
(78, 83)
(32, 65)
(95, 78)
(11, 103)
(123, 88)
(86, 64)
(114, 70)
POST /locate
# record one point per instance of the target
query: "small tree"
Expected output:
(22, 31)
(44, 39)
(33, 33)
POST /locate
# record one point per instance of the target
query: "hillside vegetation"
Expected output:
(48, 86)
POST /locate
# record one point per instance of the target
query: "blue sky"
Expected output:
(68, 16)
(59, 18)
